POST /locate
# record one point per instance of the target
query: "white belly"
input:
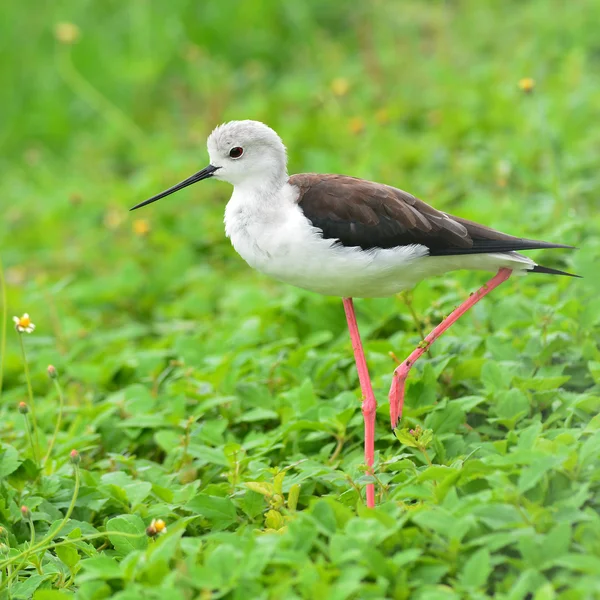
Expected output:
(326, 268)
(284, 245)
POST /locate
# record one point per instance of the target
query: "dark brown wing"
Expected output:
(372, 215)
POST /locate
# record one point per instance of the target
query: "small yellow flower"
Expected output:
(382, 116)
(160, 525)
(113, 218)
(75, 198)
(503, 171)
(16, 275)
(156, 527)
(434, 117)
(23, 324)
(192, 52)
(340, 86)
(356, 125)
(527, 84)
(66, 33)
(141, 227)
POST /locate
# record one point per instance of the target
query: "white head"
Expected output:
(243, 153)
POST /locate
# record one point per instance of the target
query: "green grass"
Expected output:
(199, 392)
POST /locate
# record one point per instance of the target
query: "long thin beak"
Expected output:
(199, 176)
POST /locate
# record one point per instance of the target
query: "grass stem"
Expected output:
(58, 419)
(36, 438)
(3, 296)
(30, 438)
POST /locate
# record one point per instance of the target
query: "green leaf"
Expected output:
(530, 550)
(437, 592)
(477, 569)
(258, 414)
(68, 554)
(511, 407)
(167, 439)
(593, 425)
(324, 515)
(594, 368)
(404, 437)
(278, 482)
(436, 472)
(224, 563)
(253, 503)
(293, 496)
(220, 511)
(494, 378)
(579, 562)
(541, 384)
(143, 422)
(445, 420)
(437, 520)
(159, 556)
(557, 541)
(261, 487)
(24, 590)
(101, 567)
(499, 516)
(135, 533)
(9, 460)
(136, 491)
(590, 451)
(545, 592)
(425, 438)
(274, 519)
(51, 595)
(532, 474)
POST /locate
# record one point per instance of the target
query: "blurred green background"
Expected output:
(107, 103)
(104, 104)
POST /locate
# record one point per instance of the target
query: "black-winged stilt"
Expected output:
(342, 236)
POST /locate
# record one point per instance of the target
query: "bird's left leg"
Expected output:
(369, 404)
(401, 373)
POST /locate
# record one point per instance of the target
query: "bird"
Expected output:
(343, 236)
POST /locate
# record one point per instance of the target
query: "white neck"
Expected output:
(254, 204)
(261, 188)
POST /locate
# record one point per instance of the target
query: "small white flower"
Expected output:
(23, 324)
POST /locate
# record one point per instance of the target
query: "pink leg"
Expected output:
(369, 404)
(401, 373)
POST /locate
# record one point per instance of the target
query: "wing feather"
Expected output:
(362, 213)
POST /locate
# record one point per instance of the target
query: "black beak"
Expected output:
(199, 176)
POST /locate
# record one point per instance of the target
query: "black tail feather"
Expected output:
(549, 271)
(487, 246)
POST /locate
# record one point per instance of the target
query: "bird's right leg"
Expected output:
(369, 404)
(396, 395)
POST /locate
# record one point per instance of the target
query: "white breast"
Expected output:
(273, 236)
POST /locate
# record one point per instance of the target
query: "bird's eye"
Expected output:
(236, 152)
